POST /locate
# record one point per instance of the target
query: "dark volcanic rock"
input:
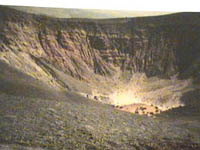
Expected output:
(58, 51)
(162, 45)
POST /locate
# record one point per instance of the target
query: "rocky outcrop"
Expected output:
(158, 46)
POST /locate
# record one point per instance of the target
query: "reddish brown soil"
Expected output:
(139, 108)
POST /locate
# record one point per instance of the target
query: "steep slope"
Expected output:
(84, 49)
(33, 116)
(51, 49)
(49, 64)
(157, 45)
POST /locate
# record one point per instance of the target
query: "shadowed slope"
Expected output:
(74, 122)
(46, 60)
(13, 82)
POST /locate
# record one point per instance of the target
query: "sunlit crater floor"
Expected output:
(142, 95)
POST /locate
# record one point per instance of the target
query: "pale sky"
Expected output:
(141, 5)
